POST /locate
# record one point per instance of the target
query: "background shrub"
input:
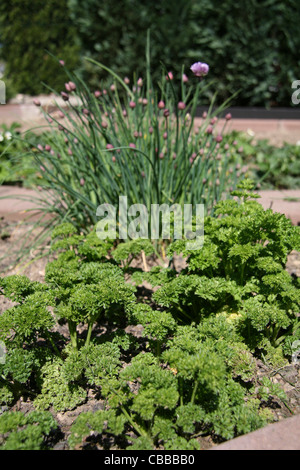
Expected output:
(28, 30)
(252, 47)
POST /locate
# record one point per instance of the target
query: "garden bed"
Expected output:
(287, 376)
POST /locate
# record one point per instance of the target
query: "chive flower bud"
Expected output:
(64, 96)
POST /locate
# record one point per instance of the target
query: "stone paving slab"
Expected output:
(283, 435)
(11, 206)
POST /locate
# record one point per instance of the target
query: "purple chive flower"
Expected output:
(200, 69)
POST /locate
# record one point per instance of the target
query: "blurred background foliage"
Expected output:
(250, 46)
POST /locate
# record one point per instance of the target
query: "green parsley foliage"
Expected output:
(25, 432)
(192, 366)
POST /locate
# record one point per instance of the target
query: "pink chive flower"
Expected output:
(140, 82)
(36, 102)
(161, 104)
(181, 105)
(200, 69)
(62, 63)
(219, 138)
(64, 96)
(132, 104)
(131, 145)
(228, 116)
(169, 76)
(97, 93)
(109, 146)
(81, 181)
(185, 78)
(126, 80)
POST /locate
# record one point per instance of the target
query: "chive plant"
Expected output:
(137, 141)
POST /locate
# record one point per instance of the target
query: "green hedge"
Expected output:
(29, 30)
(250, 46)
